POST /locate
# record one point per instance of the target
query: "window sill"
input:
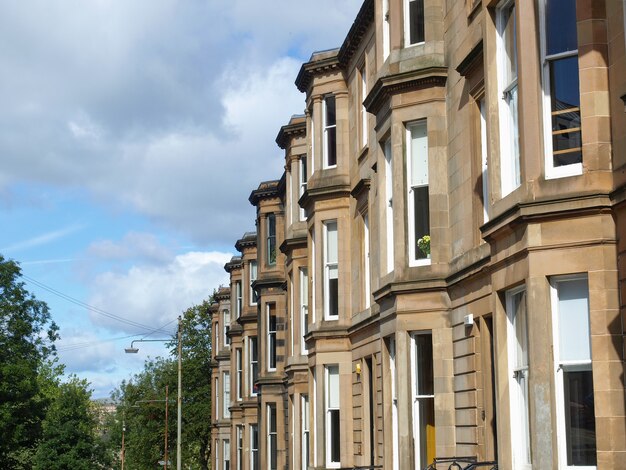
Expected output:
(565, 171)
(420, 262)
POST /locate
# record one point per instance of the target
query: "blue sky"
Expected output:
(131, 134)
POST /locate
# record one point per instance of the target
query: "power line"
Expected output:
(91, 308)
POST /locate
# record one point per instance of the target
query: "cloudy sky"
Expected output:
(131, 134)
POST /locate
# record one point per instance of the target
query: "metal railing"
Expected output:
(461, 463)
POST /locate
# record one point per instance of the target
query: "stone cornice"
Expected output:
(324, 192)
(295, 128)
(248, 240)
(364, 18)
(223, 293)
(404, 82)
(315, 67)
(362, 186)
(292, 243)
(234, 263)
(472, 60)
(266, 189)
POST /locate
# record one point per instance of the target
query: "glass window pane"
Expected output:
(574, 321)
(427, 431)
(333, 386)
(335, 443)
(421, 217)
(424, 364)
(580, 420)
(331, 241)
(416, 21)
(561, 26)
(331, 119)
(509, 39)
(419, 155)
(331, 136)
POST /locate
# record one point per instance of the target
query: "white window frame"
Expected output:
(367, 290)
(226, 317)
(290, 195)
(386, 29)
(217, 337)
(239, 437)
(238, 299)
(328, 412)
(388, 201)
(305, 433)
(417, 398)
(551, 171)
(217, 453)
(329, 265)
(217, 398)
(326, 129)
(394, 405)
(304, 307)
(226, 394)
(410, 127)
(253, 353)
(362, 111)
(314, 446)
(272, 337)
(508, 93)
(226, 454)
(253, 268)
(407, 24)
(272, 434)
(518, 381)
(239, 372)
(292, 315)
(303, 179)
(271, 239)
(484, 158)
(254, 451)
(313, 282)
(560, 366)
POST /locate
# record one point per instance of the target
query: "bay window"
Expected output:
(226, 394)
(226, 327)
(304, 308)
(418, 211)
(272, 437)
(389, 203)
(561, 90)
(253, 276)
(239, 372)
(254, 447)
(306, 429)
(330, 132)
(253, 354)
(331, 271)
(238, 299)
(303, 182)
(576, 422)
(367, 291)
(226, 454)
(217, 398)
(271, 337)
(271, 239)
(239, 443)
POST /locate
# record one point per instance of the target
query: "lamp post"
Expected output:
(133, 350)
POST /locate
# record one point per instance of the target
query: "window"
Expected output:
(226, 454)
(417, 192)
(306, 429)
(423, 399)
(518, 373)
(254, 447)
(484, 160)
(253, 275)
(303, 182)
(226, 327)
(367, 293)
(331, 272)
(333, 429)
(304, 308)
(576, 421)
(217, 453)
(254, 365)
(314, 446)
(312, 134)
(271, 239)
(362, 111)
(217, 399)
(330, 132)
(226, 394)
(217, 338)
(272, 437)
(386, 22)
(394, 404)
(389, 203)
(238, 300)
(239, 436)
(413, 22)
(507, 88)
(239, 372)
(313, 275)
(561, 90)
(271, 337)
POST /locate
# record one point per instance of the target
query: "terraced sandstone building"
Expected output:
(439, 271)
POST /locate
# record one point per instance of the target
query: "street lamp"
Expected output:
(133, 350)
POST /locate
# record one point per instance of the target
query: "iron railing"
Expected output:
(461, 463)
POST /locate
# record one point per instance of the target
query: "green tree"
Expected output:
(142, 408)
(69, 431)
(27, 337)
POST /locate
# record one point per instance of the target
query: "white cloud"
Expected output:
(134, 245)
(156, 295)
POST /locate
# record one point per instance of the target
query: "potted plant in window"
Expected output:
(424, 245)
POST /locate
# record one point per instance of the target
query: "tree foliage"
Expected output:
(142, 406)
(27, 337)
(69, 431)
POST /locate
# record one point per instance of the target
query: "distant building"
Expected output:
(439, 271)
